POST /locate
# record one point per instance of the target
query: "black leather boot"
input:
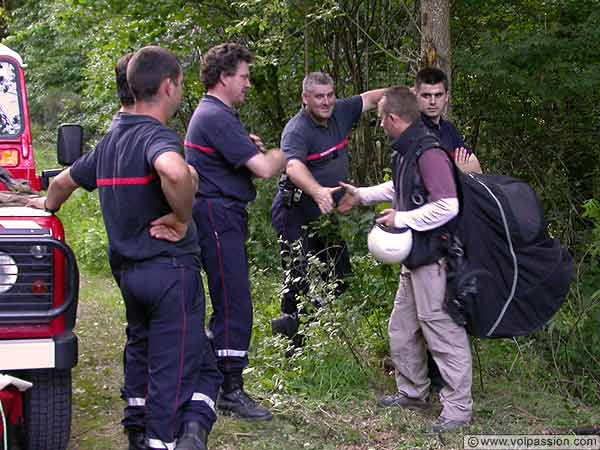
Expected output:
(286, 325)
(193, 437)
(235, 401)
(137, 439)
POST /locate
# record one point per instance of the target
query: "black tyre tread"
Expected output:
(47, 410)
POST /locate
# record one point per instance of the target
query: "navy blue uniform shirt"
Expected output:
(447, 133)
(218, 146)
(122, 168)
(323, 149)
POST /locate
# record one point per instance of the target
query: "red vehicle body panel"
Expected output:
(25, 169)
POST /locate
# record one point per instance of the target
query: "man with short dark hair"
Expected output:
(227, 158)
(431, 89)
(315, 144)
(419, 320)
(126, 98)
(171, 379)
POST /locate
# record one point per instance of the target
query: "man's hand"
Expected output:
(168, 228)
(350, 199)
(461, 156)
(37, 203)
(323, 197)
(258, 142)
(465, 161)
(389, 218)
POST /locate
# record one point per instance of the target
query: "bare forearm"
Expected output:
(60, 190)
(266, 165)
(276, 161)
(179, 193)
(177, 184)
(371, 98)
(302, 178)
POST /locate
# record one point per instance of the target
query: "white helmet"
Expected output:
(389, 245)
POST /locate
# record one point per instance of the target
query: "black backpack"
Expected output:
(506, 276)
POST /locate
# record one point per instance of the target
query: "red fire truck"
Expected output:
(39, 280)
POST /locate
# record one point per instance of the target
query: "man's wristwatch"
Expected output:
(51, 211)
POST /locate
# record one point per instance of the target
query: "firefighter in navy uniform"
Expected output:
(146, 191)
(227, 158)
(431, 90)
(315, 145)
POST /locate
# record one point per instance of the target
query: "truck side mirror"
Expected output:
(69, 143)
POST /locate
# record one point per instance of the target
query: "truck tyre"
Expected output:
(47, 410)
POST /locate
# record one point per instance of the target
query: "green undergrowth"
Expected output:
(324, 396)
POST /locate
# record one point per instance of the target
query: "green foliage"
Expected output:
(592, 212)
(334, 362)
(525, 93)
(85, 232)
(262, 244)
(525, 78)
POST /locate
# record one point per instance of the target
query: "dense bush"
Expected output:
(525, 94)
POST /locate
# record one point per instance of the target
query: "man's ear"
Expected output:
(165, 87)
(304, 97)
(223, 78)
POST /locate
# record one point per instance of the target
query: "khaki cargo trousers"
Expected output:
(417, 322)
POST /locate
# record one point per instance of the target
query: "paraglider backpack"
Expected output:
(506, 276)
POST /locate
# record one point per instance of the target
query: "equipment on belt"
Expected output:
(389, 245)
(290, 194)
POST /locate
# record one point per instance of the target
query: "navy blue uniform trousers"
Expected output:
(222, 231)
(292, 225)
(170, 371)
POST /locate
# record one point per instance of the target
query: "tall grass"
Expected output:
(347, 340)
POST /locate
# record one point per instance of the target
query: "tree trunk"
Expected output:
(435, 37)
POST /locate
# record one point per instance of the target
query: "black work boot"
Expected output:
(235, 401)
(286, 325)
(193, 437)
(137, 439)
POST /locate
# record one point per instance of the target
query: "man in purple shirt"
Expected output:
(418, 320)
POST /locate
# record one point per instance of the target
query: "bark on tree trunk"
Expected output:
(435, 38)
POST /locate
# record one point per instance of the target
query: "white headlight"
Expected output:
(389, 245)
(8, 272)
(38, 251)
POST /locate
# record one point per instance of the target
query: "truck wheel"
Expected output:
(47, 410)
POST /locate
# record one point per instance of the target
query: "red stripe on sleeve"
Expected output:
(324, 153)
(207, 150)
(125, 181)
